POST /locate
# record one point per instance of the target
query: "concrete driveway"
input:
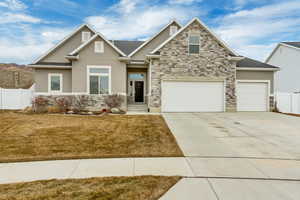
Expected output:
(238, 155)
(252, 135)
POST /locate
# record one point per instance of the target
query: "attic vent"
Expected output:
(86, 36)
(173, 30)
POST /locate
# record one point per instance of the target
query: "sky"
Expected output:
(28, 28)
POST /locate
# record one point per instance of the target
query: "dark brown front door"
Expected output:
(139, 91)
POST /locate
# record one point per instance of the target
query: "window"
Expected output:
(99, 47)
(173, 30)
(86, 36)
(99, 80)
(194, 44)
(136, 76)
(55, 83)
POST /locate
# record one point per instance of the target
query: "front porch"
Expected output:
(137, 89)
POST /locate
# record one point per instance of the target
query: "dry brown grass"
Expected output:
(117, 188)
(27, 137)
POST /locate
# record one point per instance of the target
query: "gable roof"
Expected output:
(63, 41)
(206, 28)
(294, 45)
(92, 39)
(148, 41)
(127, 46)
(250, 63)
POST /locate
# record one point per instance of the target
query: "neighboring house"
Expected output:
(180, 69)
(287, 56)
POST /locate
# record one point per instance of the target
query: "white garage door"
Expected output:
(252, 96)
(192, 96)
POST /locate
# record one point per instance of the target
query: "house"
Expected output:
(286, 55)
(180, 69)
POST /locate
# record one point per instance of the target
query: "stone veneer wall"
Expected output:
(272, 103)
(211, 63)
(95, 103)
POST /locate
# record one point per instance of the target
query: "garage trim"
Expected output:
(258, 81)
(198, 79)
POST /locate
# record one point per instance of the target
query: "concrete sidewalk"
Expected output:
(63, 169)
(233, 189)
(186, 167)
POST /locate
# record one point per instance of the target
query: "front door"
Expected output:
(139, 91)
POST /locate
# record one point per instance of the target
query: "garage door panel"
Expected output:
(252, 96)
(192, 96)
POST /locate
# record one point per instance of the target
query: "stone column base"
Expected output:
(231, 109)
(155, 109)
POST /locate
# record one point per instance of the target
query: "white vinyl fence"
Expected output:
(288, 102)
(15, 99)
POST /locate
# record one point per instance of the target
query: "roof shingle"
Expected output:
(294, 44)
(250, 63)
(127, 46)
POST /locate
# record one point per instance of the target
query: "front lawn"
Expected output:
(26, 137)
(116, 188)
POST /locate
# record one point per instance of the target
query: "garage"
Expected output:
(179, 96)
(252, 95)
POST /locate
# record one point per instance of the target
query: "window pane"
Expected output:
(136, 76)
(99, 47)
(193, 39)
(104, 84)
(194, 49)
(55, 83)
(99, 70)
(94, 84)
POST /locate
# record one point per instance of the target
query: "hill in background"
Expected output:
(16, 76)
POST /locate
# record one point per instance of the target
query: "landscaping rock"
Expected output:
(70, 112)
(115, 110)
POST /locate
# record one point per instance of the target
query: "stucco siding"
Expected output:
(257, 75)
(41, 79)
(164, 35)
(108, 58)
(211, 63)
(58, 55)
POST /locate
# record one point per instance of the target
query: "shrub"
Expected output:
(53, 109)
(39, 104)
(63, 103)
(114, 101)
(80, 103)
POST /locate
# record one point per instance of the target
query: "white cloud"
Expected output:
(31, 44)
(13, 4)
(254, 32)
(6, 18)
(185, 2)
(242, 3)
(126, 6)
(19, 52)
(142, 21)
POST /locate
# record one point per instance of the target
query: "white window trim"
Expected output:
(171, 30)
(101, 47)
(103, 74)
(82, 36)
(60, 80)
(193, 34)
